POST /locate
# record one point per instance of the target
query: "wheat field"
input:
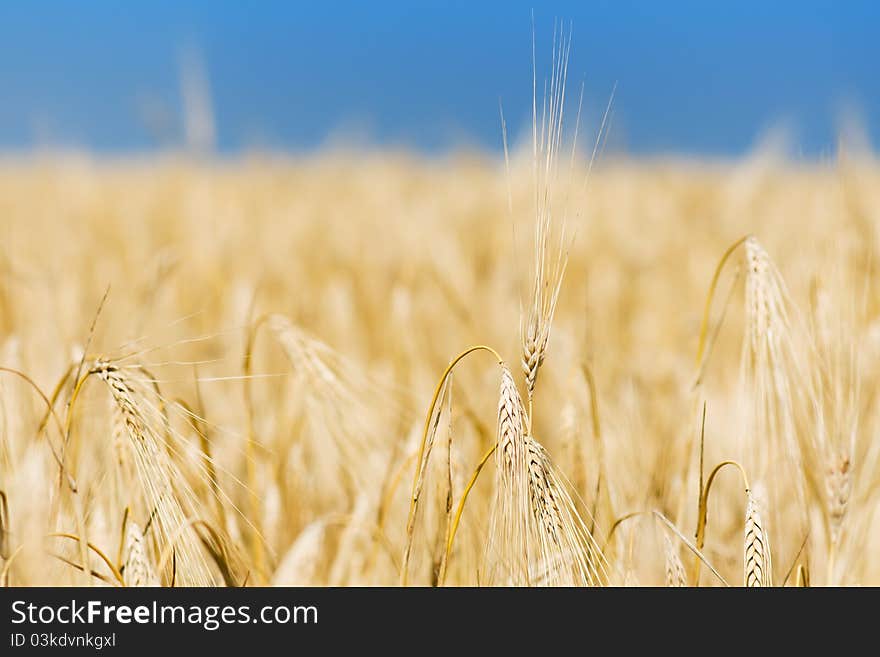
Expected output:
(240, 372)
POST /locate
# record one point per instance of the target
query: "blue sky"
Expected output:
(692, 77)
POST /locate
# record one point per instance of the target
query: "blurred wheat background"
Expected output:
(243, 370)
(195, 254)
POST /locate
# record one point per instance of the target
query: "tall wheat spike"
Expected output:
(775, 388)
(138, 569)
(164, 493)
(550, 259)
(757, 564)
(507, 549)
(768, 361)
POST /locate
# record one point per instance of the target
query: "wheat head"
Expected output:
(756, 548)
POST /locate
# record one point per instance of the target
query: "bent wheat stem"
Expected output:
(704, 324)
(458, 512)
(109, 563)
(410, 523)
(59, 459)
(702, 516)
(671, 526)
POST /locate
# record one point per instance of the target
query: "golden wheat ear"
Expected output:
(838, 487)
(543, 493)
(675, 575)
(565, 549)
(757, 565)
(773, 377)
(138, 569)
(140, 426)
(507, 548)
(510, 439)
